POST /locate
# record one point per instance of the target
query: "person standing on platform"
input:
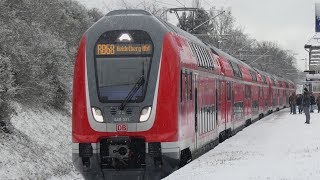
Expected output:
(306, 104)
(290, 103)
(299, 103)
(293, 103)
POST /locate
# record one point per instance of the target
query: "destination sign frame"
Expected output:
(109, 49)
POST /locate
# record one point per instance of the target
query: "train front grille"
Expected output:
(122, 153)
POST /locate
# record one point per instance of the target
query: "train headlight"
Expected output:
(145, 114)
(97, 114)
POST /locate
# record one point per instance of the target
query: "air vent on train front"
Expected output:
(129, 111)
(113, 111)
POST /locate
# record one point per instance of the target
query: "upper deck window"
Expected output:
(253, 75)
(202, 55)
(273, 82)
(264, 79)
(236, 69)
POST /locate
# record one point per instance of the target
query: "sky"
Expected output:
(290, 23)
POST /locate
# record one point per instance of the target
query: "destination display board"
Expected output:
(123, 49)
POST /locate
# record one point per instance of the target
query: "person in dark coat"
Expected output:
(290, 103)
(299, 103)
(306, 104)
(293, 103)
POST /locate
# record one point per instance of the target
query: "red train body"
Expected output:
(147, 95)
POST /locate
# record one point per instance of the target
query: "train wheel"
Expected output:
(185, 157)
(221, 137)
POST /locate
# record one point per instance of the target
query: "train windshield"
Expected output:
(121, 60)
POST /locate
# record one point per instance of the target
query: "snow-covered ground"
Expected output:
(39, 147)
(278, 147)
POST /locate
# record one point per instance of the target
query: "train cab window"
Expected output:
(121, 65)
(228, 90)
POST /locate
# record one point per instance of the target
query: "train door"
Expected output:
(222, 100)
(270, 98)
(229, 104)
(196, 127)
(246, 102)
(216, 108)
(260, 99)
(265, 99)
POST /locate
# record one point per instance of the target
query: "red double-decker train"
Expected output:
(149, 97)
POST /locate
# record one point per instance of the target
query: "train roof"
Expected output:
(231, 58)
(128, 12)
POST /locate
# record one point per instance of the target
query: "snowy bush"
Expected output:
(38, 43)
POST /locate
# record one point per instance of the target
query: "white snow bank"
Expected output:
(280, 146)
(40, 146)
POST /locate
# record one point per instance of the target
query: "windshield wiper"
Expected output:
(132, 92)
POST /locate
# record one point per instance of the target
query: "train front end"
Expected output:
(119, 122)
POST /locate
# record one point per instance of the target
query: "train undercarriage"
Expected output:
(118, 158)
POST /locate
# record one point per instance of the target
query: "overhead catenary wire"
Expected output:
(164, 3)
(207, 21)
(259, 57)
(181, 3)
(207, 3)
(139, 4)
